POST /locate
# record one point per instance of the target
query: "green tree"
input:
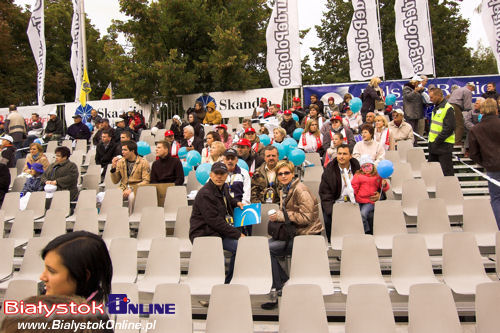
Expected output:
(483, 61)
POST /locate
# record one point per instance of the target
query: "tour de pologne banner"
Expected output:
(395, 87)
(490, 14)
(363, 42)
(76, 60)
(283, 45)
(413, 37)
(36, 37)
(110, 109)
(236, 103)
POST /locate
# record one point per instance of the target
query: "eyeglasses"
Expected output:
(286, 173)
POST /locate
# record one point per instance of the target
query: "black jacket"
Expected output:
(177, 129)
(289, 126)
(118, 131)
(209, 212)
(79, 131)
(4, 181)
(253, 157)
(197, 144)
(9, 153)
(369, 96)
(98, 136)
(330, 187)
(483, 143)
(439, 147)
(167, 170)
(490, 94)
(103, 156)
(199, 130)
(54, 126)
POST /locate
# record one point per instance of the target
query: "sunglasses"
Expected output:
(286, 173)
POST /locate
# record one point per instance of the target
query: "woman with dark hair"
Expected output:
(209, 139)
(225, 137)
(62, 173)
(199, 131)
(77, 263)
(368, 146)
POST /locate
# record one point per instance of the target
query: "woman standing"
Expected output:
(382, 135)
(36, 155)
(310, 141)
(368, 146)
(371, 94)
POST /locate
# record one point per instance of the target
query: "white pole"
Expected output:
(430, 31)
(380, 33)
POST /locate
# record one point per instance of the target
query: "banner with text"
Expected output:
(236, 103)
(36, 36)
(395, 87)
(110, 109)
(413, 37)
(363, 42)
(490, 14)
(283, 45)
(76, 60)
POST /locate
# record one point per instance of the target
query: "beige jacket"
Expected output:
(403, 132)
(42, 159)
(139, 176)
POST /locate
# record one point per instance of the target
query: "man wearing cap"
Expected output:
(190, 141)
(15, 126)
(272, 111)
(337, 127)
(297, 108)
(78, 130)
(264, 182)
(288, 123)
(174, 145)
(120, 128)
(105, 151)
(413, 105)
(238, 179)
(399, 128)
(251, 135)
(213, 213)
(245, 152)
(259, 111)
(166, 169)
(8, 151)
(104, 127)
(461, 100)
(54, 128)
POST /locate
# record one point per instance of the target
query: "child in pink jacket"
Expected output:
(367, 185)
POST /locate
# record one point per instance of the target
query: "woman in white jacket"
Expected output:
(311, 141)
(368, 146)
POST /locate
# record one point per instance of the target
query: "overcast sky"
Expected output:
(101, 12)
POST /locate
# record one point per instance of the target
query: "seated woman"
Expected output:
(310, 141)
(368, 146)
(225, 137)
(382, 135)
(36, 155)
(331, 152)
(209, 139)
(352, 120)
(63, 173)
(299, 206)
(279, 135)
(77, 263)
(34, 183)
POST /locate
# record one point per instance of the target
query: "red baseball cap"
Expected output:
(278, 106)
(336, 118)
(244, 142)
(287, 112)
(222, 126)
(331, 98)
(169, 133)
(263, 100)
(296, 99)
(250, 130)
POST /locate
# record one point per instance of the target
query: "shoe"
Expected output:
(204, 303)
(466, 154)
(269, 305)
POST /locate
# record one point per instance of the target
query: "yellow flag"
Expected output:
(85, 88)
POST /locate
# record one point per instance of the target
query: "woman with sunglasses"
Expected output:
(298, 206)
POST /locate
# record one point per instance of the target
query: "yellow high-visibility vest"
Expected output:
(437, 124)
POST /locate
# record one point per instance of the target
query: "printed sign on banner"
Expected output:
(236, 103)
(490, 14)
(36, 36)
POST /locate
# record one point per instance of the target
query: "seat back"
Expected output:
(36, 203)
(415, 157)
(402, 147)
(388, 219)
(414, 190)
(207, 261)
(430, 173)
(20, 163)
(179, 295)
(393, 156)
(448, 188)
(230, 310)
(164, 260)
(346, 220)
(32, 261)
(117, 225)
(175, 197)
(61, 201)
(192, 182)
(487, 305)
(145, 197)
(479, 217)
(152, 224)
(261, 228)
(86, 199)
(182, 224)
(123, 253)
(22, 228)
(18, 290)
(402, 172)
(91, 181)
(86, 219)
(461, 256)
(113, 198)
(51, 147)
(18, 184)
(6, 257)
(432, 217)
(10, 205)
(54, 224)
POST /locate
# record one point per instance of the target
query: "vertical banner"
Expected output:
(36, 36)
(77, 48)
(413, 37)
(283, 45)
(490, 14)
(363, 42)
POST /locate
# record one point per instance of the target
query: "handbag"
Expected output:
(283, 231)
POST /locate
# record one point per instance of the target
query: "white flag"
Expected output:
(413, 37)
(77, 48)
(363, 42)
(490, 13)
(36, 36)
(283, 45)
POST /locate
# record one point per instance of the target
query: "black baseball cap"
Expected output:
(230, 152)
(219, 167)
(77, 116)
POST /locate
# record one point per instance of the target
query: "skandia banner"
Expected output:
(363, 42)
(283, 45)
(235, 103)
(490, 14)
(395, 87)
(76, 60)
(413, 37)
(36, 36)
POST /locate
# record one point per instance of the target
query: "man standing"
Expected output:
(412, 101)
(264, 184)
(54, 128)
(491, 91)
(315, 100)
(190, 141)
(213, 213)
(441, 132)
(78, 130)
(461, 100)
(335, 184)
(471, 118)
(399, 128)
(484, 150)
(166, 169)
(15, 126)
(105, 152)
(245, 152)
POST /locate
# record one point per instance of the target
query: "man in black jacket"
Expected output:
(166, 169)
(190, 141)
(213, 213)
(54, 129)
(4, 180)
(333, 187)
(78, 130)
(105, 151)
(288, 124)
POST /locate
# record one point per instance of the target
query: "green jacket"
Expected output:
(66, 176)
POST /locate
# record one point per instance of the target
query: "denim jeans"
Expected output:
(367, 216)
(230, 244)
(495, 195)
(278, 250)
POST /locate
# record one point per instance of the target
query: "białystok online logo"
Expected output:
(120, 304)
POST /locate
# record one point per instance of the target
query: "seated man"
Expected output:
(124, 137)
(79, 130)
(213, 213)
(399, 128)
(105, 151)
(190, 141)
(264, 182)
(245, 152)
(166, 169)
(8, 151)
(54, 128)
(130, 171)
(174, 145)
(120, 128)
(63, 173)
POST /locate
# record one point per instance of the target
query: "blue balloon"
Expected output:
(297, 133)
(193, 158)
(390, 99)
(355, 104)
(182, 153)
(89, 125)
(265, 139)
(243, 165)
(203, 173)
(295, 117)
(281, 150)
(289, 144)
(186, 167)
(40, 141)
(478, 118)
(143, 148)
(385, 168)
(297, 156)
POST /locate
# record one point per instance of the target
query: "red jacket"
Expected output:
(365, 186)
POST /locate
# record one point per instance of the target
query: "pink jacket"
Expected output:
(365, 186)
